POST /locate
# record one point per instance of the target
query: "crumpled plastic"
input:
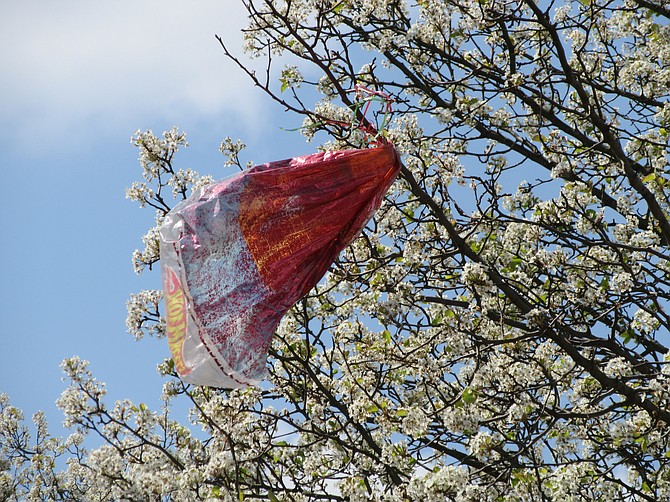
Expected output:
(237, 254)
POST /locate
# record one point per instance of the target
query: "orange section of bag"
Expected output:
(175, 302)
(302, 212)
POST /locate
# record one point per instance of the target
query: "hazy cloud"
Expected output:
(72, 65)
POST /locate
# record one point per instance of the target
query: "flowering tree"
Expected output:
(498, 332)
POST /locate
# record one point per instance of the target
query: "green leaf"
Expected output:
(649, 177)
(469, 395)
(643, 441)
(627, 336)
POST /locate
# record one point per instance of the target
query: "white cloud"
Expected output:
(71, 66)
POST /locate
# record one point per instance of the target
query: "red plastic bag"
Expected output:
(237, 254)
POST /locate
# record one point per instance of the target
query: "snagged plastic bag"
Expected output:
(237, 254)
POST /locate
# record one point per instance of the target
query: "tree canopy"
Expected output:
(500, 329)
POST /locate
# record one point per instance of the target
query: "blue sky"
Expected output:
(78, 78)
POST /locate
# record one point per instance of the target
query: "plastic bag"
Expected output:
(237, 254)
